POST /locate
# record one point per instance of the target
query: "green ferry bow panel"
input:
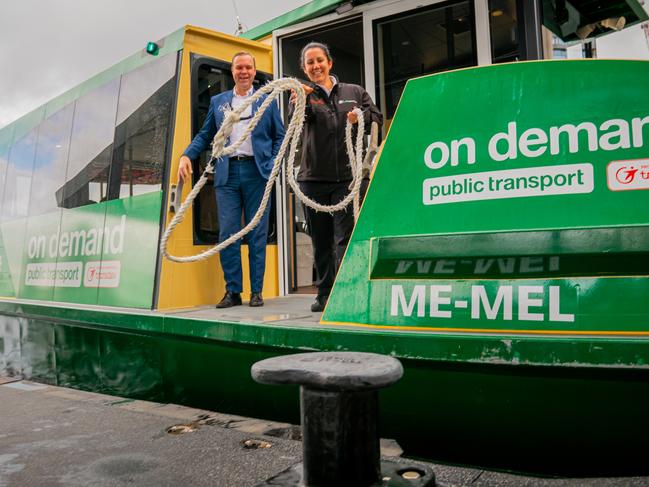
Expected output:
(508, 199)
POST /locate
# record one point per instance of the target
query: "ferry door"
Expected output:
(205, 72)
(345, 40)
(381, 45)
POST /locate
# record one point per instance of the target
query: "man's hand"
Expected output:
(352, 117)
(307, 91)
(184, 168)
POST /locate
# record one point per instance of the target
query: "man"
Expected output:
(240, 179)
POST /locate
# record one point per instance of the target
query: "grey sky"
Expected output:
(50, 46)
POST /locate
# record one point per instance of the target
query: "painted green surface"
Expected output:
(104, 253)
(511, 417)
(6, 284)
(308, 11)
(617, 251)
(532, 180)
(12, 234)
(558, 352)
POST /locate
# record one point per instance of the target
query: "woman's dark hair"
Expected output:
(314, 45)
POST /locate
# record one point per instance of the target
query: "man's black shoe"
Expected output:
(256, 300)
(230, 299)
(319, 304)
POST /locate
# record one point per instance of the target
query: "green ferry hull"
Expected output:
(451, 406)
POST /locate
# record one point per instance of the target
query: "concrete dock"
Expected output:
(53, 436)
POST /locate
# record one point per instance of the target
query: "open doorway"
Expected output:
(345, 41)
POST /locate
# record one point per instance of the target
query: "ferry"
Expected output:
(500, 253)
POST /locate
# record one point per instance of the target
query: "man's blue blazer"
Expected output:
(267, 136)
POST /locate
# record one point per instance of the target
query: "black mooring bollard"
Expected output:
(339, 412)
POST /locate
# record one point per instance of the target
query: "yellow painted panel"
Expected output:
(223, 47)
(201, 283)
(268, 40)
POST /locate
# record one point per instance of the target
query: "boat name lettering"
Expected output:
(533, 303)
(480, 266)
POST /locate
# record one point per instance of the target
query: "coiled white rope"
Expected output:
(293, 133)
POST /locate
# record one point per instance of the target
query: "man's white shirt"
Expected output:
(240, 127)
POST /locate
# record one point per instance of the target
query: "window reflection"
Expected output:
(19, 177)
(90, 147)
(6, 136)
(51, 161)
(345, 41)
(427, 41)
(143, 122)
(6, 284)
(503, 25)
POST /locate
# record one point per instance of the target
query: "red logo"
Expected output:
(626, 174)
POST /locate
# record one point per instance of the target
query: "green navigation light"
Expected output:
(152, 48)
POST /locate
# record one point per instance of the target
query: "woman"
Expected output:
(325, 173)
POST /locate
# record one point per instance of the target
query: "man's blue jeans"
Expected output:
(242, 192)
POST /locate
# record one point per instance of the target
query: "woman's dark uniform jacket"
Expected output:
(324, 153)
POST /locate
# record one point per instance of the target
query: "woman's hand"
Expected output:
(352, 117)
(307, 91)
(184, 168)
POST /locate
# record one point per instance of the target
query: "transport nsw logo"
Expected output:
(628, 175)
(69, 274)
(102, 274)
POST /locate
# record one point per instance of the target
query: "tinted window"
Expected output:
(5, 143)
(211, 80)
(144, 112)
(503, 27)
(19, 176)
(90, 147)
(51, 161)
(345, 43)
(422, 42)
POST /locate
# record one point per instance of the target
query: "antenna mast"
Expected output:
(240, 29)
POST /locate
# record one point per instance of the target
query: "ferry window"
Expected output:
(144, 112)
(209, 78)
(50, 161)
(503, 26)
(5, 144)
(91, 146)
(19, 176)
(422, 42)
(345, 42)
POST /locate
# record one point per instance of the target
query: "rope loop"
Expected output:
(292, 137)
